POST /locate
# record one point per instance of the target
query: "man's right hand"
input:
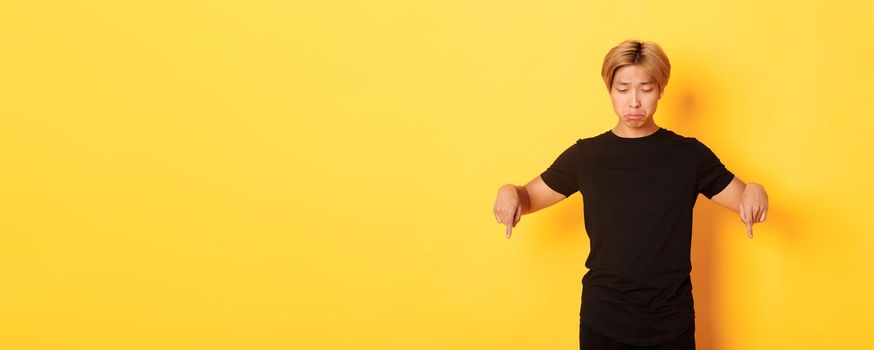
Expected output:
(508, 210)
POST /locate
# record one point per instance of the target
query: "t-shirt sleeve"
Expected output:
(561, 176)
(712, 175)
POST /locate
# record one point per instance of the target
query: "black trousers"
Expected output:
(592, 340)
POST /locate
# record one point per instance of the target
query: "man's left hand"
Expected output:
(753, 206)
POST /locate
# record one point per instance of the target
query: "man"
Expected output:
(639, 183)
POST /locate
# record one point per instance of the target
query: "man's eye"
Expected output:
(647, 90)
(622, 90)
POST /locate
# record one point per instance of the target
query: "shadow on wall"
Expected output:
(693, 102)
(690, 107)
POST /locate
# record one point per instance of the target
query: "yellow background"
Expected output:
(321, 175)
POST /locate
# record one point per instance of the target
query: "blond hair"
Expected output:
(648, 55)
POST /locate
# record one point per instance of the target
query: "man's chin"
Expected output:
(635, 123)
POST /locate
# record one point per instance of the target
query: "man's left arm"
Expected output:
(749, 200)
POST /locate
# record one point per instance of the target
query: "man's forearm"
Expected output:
(524, 200)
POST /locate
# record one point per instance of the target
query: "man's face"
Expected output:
(635, 96)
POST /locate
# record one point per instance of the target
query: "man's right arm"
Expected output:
(514, 201)
(539, 195)
(535, 195)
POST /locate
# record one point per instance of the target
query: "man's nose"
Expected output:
(635, 102)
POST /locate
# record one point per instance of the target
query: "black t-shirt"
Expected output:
(638, 195)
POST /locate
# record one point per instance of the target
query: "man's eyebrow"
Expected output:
(641, 83)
